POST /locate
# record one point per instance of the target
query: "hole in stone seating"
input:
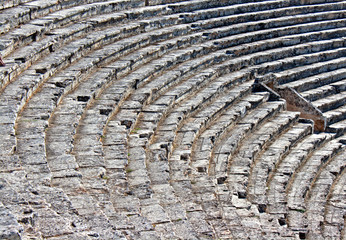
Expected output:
(262, 208)
(60, 84)
(126, 123)
(22, 60)
(44, 117)
(35, 192)
(41, 70)
(282, 221)
(221, 180)
(34, 37)
(24, 220)
(212, 139)
(27, 211)
(83, 98)
(96, 235)
(201, 169)
(302, 235)
(184, 157)
(241, 194)
(73, 224)
(105, 111)
(51, 49)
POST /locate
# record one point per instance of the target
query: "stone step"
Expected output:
(331, 102)
(335, 115)
(324, 79)
(266, 162)
(334, 209)
(236, 14)
(276, 28)
(240, 163)
(309, 64)
(319, 93)
(245, 126)
(279, 177)
(37, 18)
(302, 179)
(339, 128)
(204, 143)
(317, 195)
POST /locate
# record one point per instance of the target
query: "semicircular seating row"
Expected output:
(125, 119)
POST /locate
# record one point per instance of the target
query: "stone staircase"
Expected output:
(127, 119)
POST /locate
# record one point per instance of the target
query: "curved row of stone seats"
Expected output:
(40, 26)
(334, 210)
(82, 98)
(322, 91)
(52, 13)
(317, 198)
(302, 180)
(45, 46)
(12, 3)
(284, 178)
(24, 57)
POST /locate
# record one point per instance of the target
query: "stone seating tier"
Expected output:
(152, 120)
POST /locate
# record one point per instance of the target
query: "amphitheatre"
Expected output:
(171, 119)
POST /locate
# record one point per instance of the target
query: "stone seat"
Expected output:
(11, 67)
(333, 217)
(232, 140)
(340, 126)
(331, 102)
(278, 179)
(319, 80)
(304, 177)
(271, 156)
(12, 3)
(188, 6)
(204, 143)
(21, 13)
(318, 196)
(232, 22)
(324, 91)
(313, 65)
